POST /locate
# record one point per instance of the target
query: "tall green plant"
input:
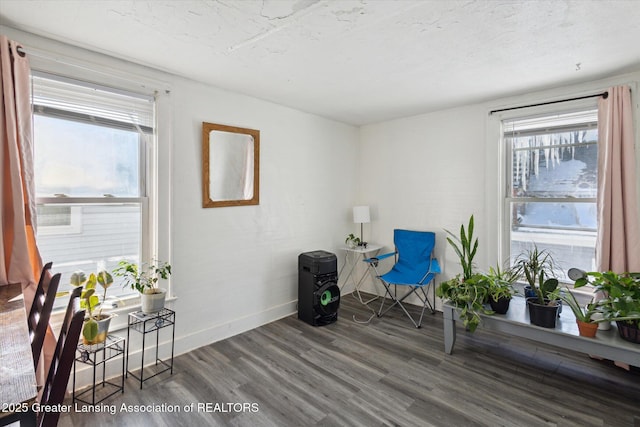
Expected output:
(583, 315)
(465, 247)
(537, 266)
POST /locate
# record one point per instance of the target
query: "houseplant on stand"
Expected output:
(465, 247)
(144, 279)
(622, 300)
(500, 287)
(468, 291)
(537, 267)
(96, 325)
(352, 241)
(468, 295)
(586, 324)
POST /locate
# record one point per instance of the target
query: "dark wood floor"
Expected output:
(386, 373)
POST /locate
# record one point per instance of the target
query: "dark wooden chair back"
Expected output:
(40, 311)
(55, 386)
(38, 299)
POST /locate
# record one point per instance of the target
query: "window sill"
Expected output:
(119, 322)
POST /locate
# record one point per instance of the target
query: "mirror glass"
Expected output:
(230, 165)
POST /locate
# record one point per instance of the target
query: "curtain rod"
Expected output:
(604, 95)
(20, 51)
(145, 82)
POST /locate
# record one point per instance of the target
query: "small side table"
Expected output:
(96, 355)
(147, 323)
(351, 260)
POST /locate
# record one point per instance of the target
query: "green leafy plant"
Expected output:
(142, 278)
(538, 269)
(89, 299)
(469, 296)
(465, 247)
(622, 295)
(582, 314)
(355, 241)
(468, 291)
(501, 280)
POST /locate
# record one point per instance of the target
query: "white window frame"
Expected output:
(75, 224)
(155, 209)
(52, 57)
(504, 152)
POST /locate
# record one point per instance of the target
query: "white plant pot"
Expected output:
(103, 330)
(602, 326)
(152, 303)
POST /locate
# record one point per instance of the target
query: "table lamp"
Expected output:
(361, 215)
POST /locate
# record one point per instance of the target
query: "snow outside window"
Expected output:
(551, 188)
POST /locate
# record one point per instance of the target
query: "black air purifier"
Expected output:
(318, 291)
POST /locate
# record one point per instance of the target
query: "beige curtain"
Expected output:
(20, 261)
(618, 241)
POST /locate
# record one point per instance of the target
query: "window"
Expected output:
(58, 219)
(551, 187)
(91, 163)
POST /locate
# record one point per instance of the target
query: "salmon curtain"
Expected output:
(618, 241)
(20, 260)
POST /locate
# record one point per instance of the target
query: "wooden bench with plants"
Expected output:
(606, 344)
(538, 317)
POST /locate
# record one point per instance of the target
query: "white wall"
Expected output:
(432, 171)
(234, 268)
(425, 173)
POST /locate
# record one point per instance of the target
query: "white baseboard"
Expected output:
(183, 344)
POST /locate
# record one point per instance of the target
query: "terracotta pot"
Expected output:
(587, 329)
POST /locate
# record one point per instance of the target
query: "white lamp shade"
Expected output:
(361, 214)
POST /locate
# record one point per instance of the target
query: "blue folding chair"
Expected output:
(414, 267)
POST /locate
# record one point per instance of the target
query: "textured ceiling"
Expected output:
(354, 61)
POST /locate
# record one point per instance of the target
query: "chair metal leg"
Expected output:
(424, 305)
(387, 291)
(398, 301)
(413, 291)
(393, 295)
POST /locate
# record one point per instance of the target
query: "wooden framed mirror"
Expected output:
(230, 166)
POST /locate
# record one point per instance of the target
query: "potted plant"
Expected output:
(597, 317)
(144, 279)
(352, 241)
(96, 324)
(469, 296)
(468, 291)
(622, 300)
(587, 326)
(537, 268)
(500, 287)
(465, 247)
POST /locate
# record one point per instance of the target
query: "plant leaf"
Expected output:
(90, 330)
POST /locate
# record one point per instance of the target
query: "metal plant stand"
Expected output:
(97, 355)
(145, 324)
